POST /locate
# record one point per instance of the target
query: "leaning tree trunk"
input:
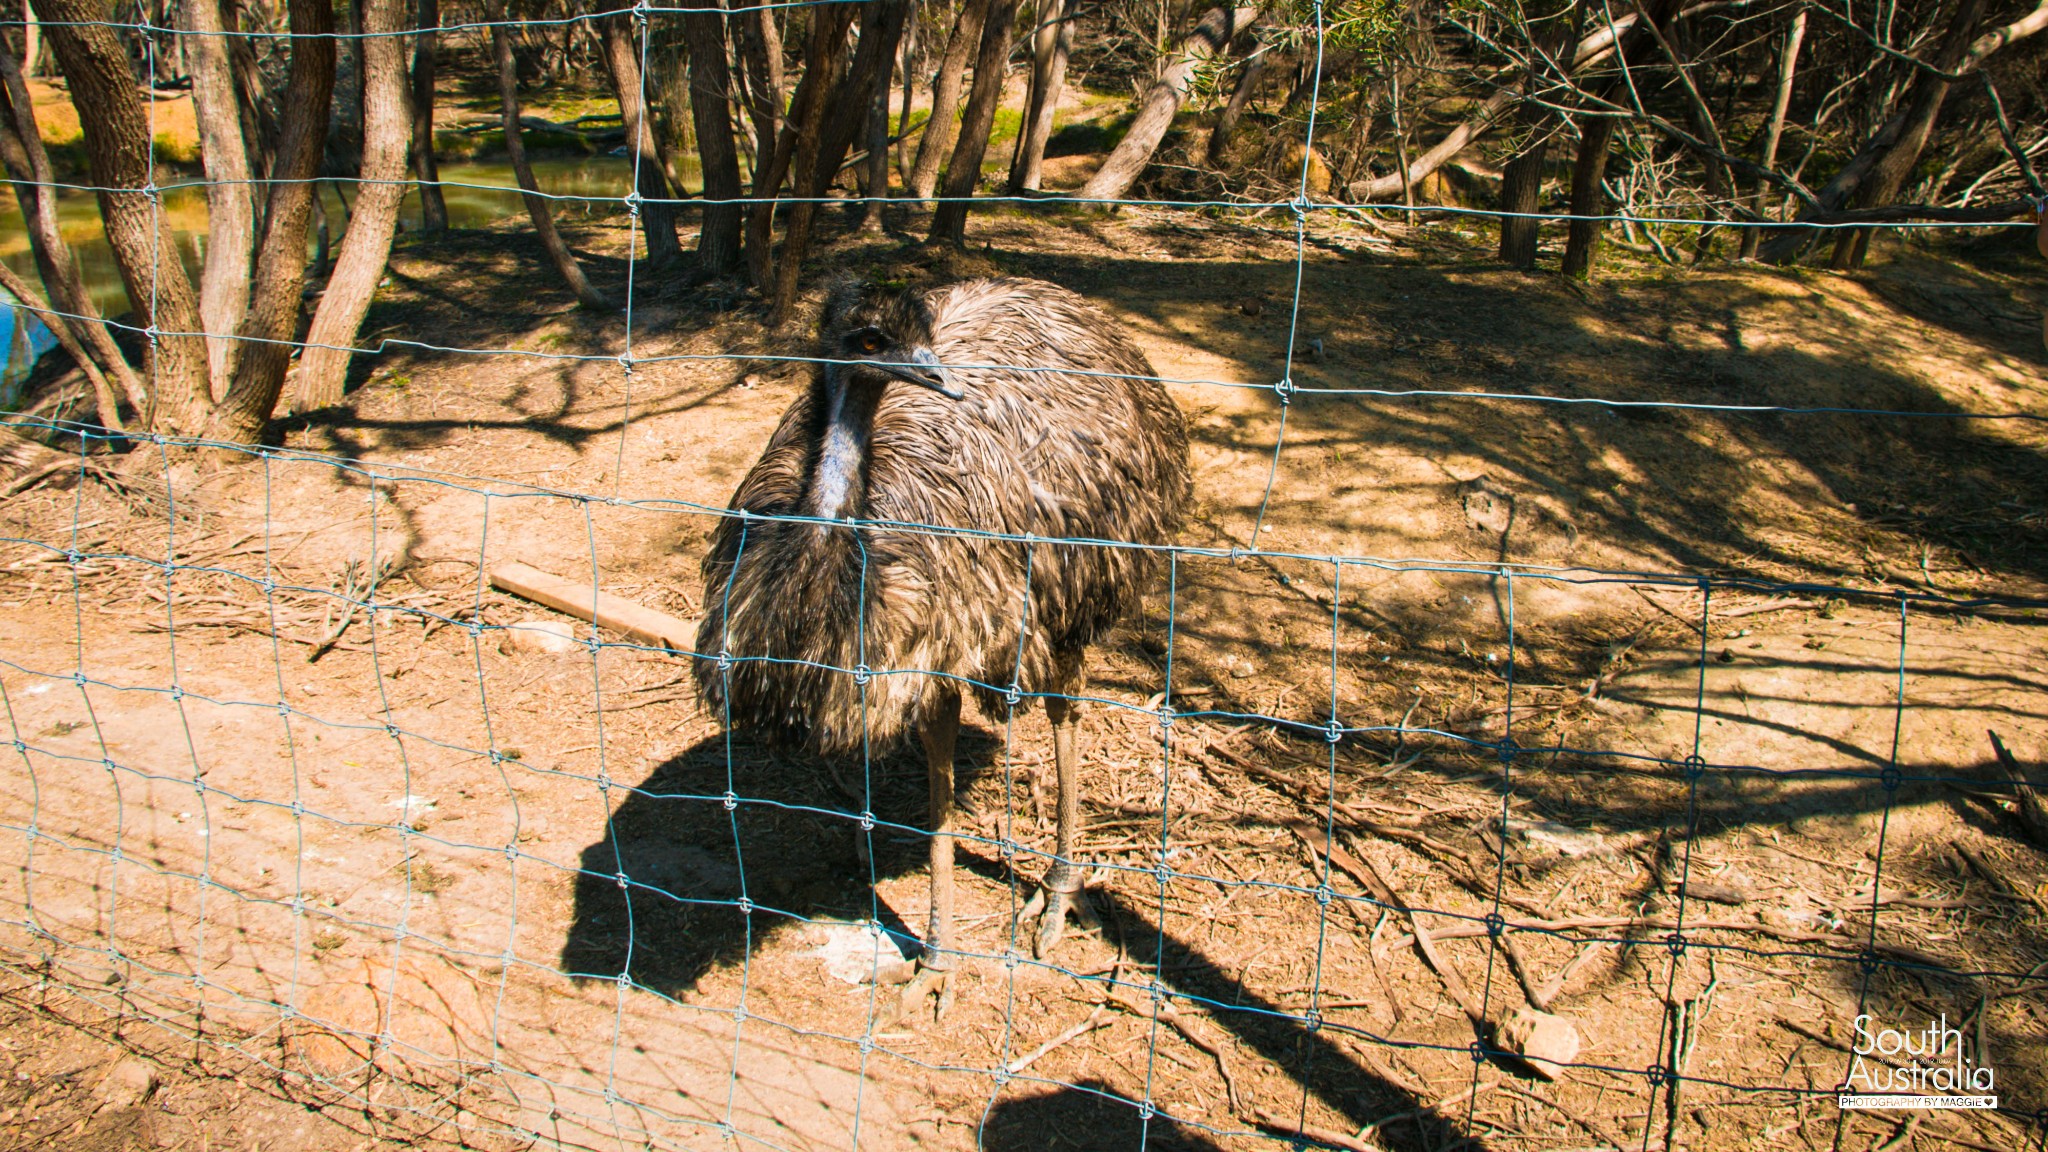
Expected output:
(21, 149)
(1255, 70)
(1788, 244)
(274, 295)
(1051, 44)
(536, 206)
(718, 236)
(323, 367)
(230, 199)
(1417, 170)
(657, 215)
(963, 171)
(1889, 174)
(1156, 108)
(25, 295)
(941, 130)
(433, 206)
(117, 147)
(1787, 64)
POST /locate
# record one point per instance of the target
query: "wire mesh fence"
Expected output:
(307, 812)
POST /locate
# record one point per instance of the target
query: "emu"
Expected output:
(1009, 414)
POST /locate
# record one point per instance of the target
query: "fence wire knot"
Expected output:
(861, 675)
(1333, 731)
(1284, 388)
(1891, 777)
(1013, 695)
(1495, 924)
(1695, 766)
(1676, 942)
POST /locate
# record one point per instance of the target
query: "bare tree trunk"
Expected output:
(760, 45)
(230, 198)
(877, 167)
(259, 124)
(1051, 44)
(963, 171)
(1521, 194)
(718, 236)
(1889, 174)
(909, 49)
(275, 295)
(797, 148)
(1787, 63)
(1417, 170)
(426, 46)
(21, 149)
(117, 145)
(323, 367)
(843, 113)
(1582, 238)
(941, 131)
(1156, 108)
(1521, 186)
(1255, 70)
(31, 39)
(536, 207)
(622, 64)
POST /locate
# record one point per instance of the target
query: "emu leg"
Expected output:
(1062, 889)
(934, 966)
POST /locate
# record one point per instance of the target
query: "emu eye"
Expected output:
(868, 341)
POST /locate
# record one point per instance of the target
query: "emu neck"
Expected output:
(839, 487)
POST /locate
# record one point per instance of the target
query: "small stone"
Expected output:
(536, 635)
(126, 1084)
(1252, 306)
(863, 953)
(1547, 1042)
(1715, 893)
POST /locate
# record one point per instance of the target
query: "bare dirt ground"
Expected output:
(441, 853)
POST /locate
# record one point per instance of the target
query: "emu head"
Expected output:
(876, 335)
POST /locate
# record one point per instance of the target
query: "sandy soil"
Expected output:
(441, 853)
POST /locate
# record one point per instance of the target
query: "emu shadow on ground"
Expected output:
(787, 846)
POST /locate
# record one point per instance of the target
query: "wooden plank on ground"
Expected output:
(637, 621)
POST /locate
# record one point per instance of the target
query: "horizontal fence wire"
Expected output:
(106, 910)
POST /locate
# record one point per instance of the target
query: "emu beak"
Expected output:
(923, 369)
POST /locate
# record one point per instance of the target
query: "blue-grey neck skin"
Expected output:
(839, 482)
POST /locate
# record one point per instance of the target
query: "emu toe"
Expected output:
(934, 983)
(1052, 921)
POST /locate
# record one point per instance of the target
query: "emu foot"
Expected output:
(929, 983)
(1051, 906)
